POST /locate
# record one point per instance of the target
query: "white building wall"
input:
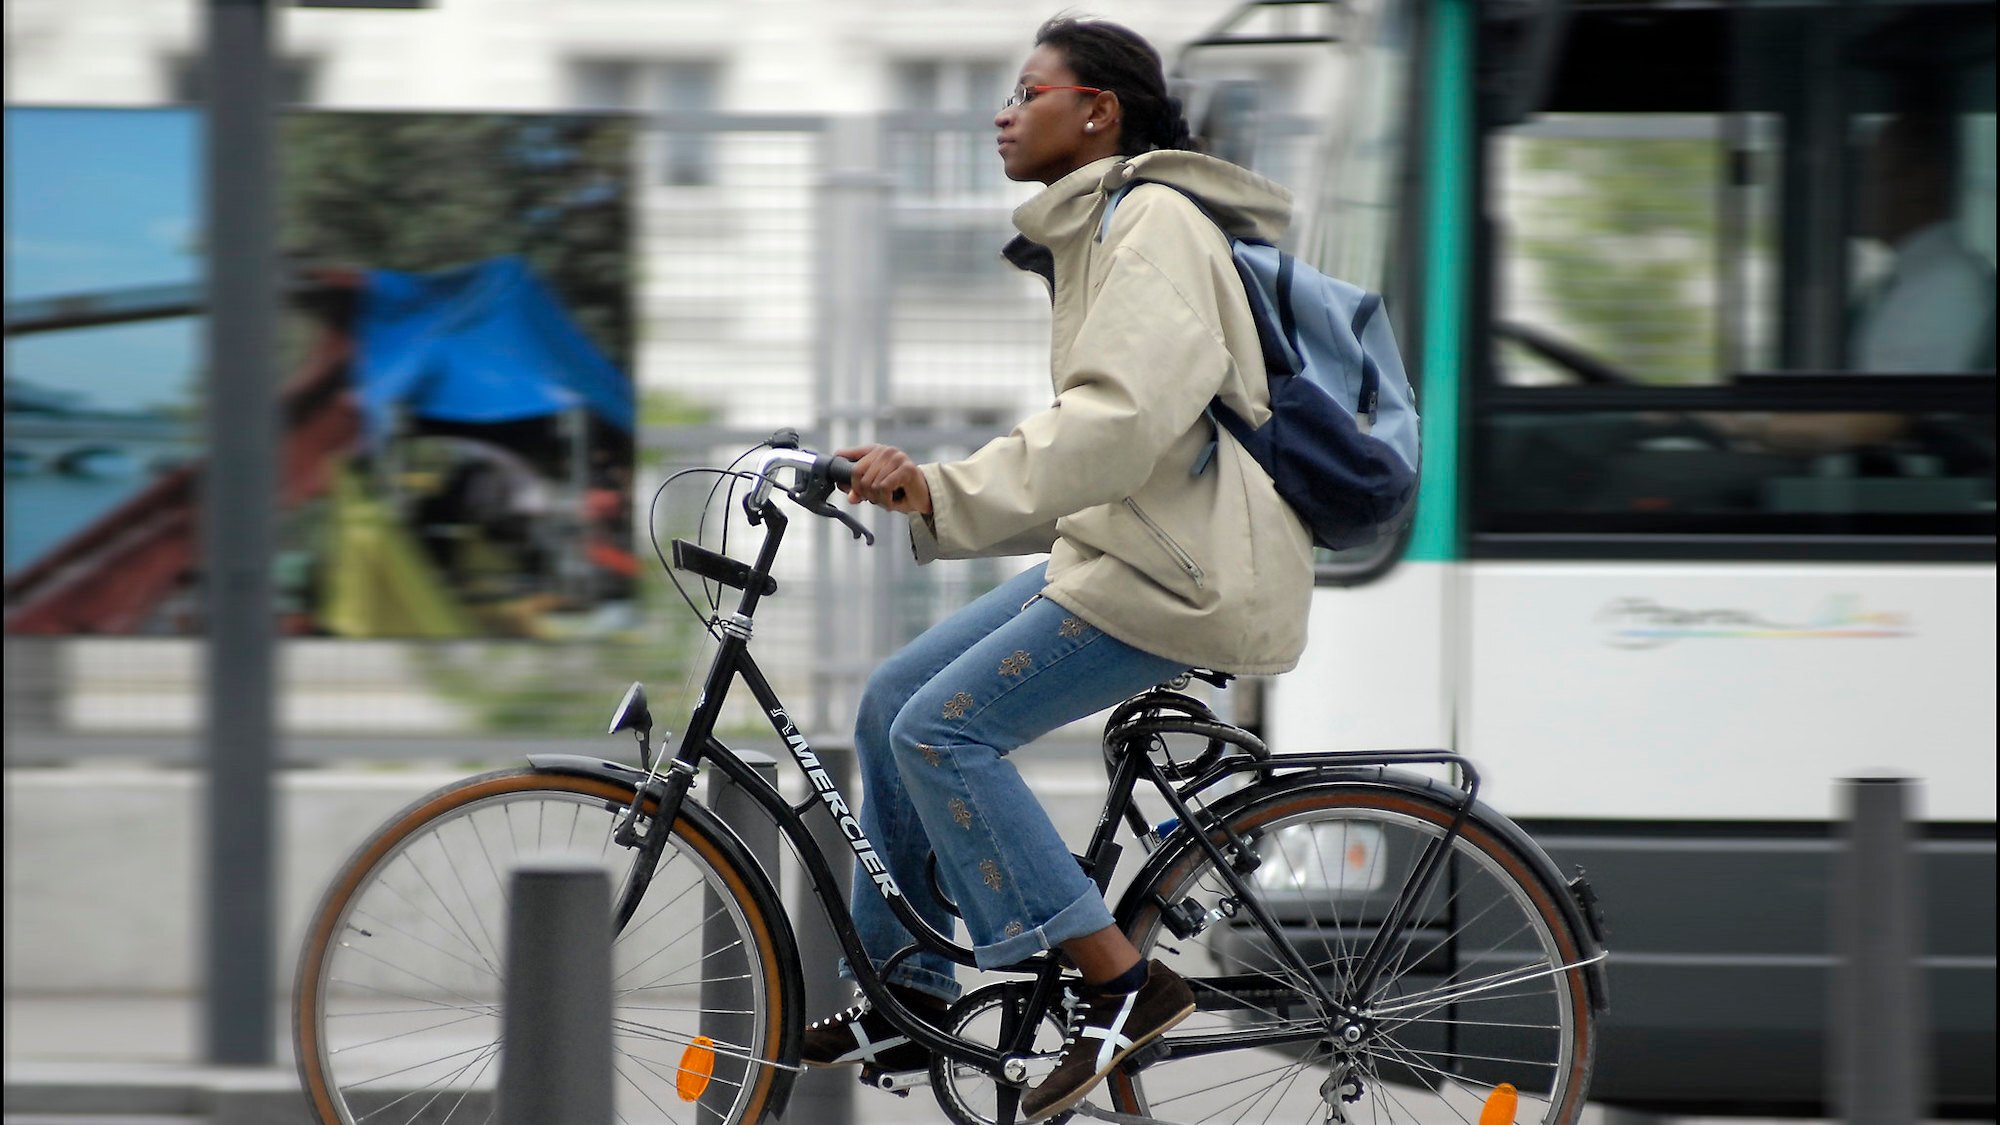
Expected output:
(820, 56)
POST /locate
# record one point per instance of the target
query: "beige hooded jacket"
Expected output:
(1150, 324)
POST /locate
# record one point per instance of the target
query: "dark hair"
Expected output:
(1115, 58)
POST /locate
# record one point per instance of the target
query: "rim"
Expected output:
(1478, 990)
(407, 999)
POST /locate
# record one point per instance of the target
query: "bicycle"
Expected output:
(1365, 940)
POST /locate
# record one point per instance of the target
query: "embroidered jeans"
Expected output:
(935, 725)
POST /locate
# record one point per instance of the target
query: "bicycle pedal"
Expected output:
(897, 1082)
(1146, 1056)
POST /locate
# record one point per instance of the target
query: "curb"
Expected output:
(219, 1095)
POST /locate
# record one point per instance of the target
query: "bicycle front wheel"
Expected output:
(397, 1008)
(1481, 987)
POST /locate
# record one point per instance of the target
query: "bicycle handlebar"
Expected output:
(839, 470)
(808, 478)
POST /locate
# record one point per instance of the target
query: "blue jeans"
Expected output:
(935, 725)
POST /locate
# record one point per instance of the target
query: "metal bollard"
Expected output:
(826, 1097)
(555, 1051)
(1877, 1020)
(726, 974)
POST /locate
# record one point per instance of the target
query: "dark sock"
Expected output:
(1131, 980)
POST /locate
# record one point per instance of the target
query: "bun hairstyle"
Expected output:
(1116, 58)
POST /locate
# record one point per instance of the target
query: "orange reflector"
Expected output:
(698, 1066)
(1500, 1105)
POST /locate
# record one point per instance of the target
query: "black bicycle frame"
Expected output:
(733, 661)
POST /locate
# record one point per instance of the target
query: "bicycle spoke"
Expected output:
(1468, 981)
(415, 975)
(429, 1003)
(1418, 1059)
(485, 928)
(385, 925)
(467, 1092)
(671, 1071)
(492, 963)
(1387, 1090)
(664, 907)
(419, 1005)
(1469, 967)
(1438, 997)
(702, 954)
(641, 1091)
(376, 1042)
(484, 966)
(476, 1051)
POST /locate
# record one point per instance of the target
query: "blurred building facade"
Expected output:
(819, 218)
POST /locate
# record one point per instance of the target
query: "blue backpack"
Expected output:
(1341, 442)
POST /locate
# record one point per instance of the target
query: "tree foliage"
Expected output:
(425, 192)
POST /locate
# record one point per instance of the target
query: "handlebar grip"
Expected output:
(839, 470)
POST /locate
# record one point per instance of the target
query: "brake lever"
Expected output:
(826, 508)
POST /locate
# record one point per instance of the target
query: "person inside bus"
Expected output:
(1932, 311)
(1153, 568)
(1929, 312)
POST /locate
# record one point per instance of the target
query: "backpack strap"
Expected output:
(1111, 205)
(1371, 376)
(1277, 361)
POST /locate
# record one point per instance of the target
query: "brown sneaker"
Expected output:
(862, 1035)
(1103, 1031)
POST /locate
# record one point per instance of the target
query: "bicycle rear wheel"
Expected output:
(397, 1007)
(1481, 987)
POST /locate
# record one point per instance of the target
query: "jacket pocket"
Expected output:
(1181, 558)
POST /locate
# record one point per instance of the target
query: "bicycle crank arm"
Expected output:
(1085, 1109)
(899, 1082)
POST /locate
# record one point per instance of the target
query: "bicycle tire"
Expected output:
(1333, 854)
(403, 1010)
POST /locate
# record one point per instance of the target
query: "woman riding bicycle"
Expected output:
(1169, 548)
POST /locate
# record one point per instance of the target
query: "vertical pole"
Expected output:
(555, 1050)
(851, 403)
(825, 1097)
(1876, 1020)
(726, 967)
(239, 499)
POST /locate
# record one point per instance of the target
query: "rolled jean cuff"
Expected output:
(1086, 915)
(926, 981)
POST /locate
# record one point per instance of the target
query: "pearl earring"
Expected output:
(1089, 125)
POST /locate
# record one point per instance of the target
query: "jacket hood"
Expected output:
(1245, 204)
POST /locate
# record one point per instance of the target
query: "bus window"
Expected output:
(1921, 297)
(1740, 287)
(1612, 223)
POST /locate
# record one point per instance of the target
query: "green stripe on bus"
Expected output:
(1447, 271)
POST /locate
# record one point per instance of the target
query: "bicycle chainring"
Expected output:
(969, 1096)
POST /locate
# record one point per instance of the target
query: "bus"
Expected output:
(1697, 297)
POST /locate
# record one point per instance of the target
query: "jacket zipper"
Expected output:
(1186, 561)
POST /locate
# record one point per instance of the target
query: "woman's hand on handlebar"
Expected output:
(885, 475)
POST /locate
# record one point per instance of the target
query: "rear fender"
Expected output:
(1572, 897)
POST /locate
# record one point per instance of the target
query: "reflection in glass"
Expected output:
(1662, 470)
(1611, 226)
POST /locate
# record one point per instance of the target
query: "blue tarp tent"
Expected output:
(485, 343)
